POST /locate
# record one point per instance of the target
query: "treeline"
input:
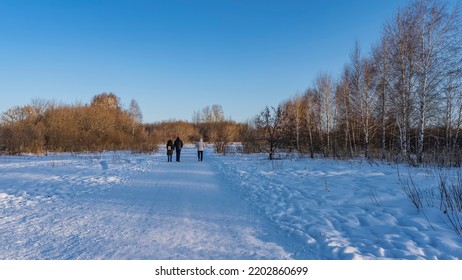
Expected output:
(209, 124)
(44, 126)
(101, 125)
(401, 102)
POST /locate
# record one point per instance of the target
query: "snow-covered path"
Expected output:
(155, 210)
(119, 205)
(184, 212)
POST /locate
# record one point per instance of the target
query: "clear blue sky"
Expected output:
(175, 57)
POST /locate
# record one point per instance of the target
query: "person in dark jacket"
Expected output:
(170, 149)
(178, 145)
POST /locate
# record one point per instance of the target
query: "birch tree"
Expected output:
(400, 36)
(362, 85)
(310, 104)
(436, 49)
(324, 85)
(343, 103)
(381, 58)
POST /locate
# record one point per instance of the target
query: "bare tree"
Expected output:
(268, 123)
(135, 112)
(436, 49)
(309, 102)
(381, 58)
(362, 85)
(324, 86)
(452, 112)
(214, 127)
(106, 100)
(292, 122)
(23, 130)
(343, 103)
(401, 38)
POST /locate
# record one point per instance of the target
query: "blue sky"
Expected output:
(175, 57)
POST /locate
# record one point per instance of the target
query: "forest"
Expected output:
(399, 101)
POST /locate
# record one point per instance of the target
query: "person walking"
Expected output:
(178, 145)
(170, 149)
(200, 150)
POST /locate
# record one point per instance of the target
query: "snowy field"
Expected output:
(119, 205)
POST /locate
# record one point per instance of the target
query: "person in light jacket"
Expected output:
(200, 150)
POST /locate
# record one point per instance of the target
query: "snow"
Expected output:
(119, 205)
